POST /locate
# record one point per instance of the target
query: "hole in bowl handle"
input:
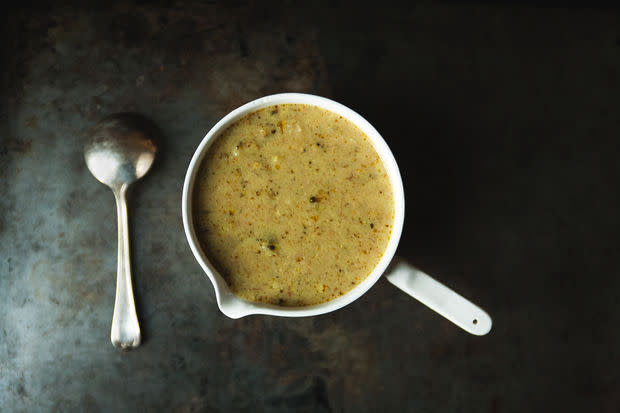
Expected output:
(439, 297)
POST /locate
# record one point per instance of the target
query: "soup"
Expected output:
(292, 205)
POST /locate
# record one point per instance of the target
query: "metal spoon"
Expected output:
(119, 151)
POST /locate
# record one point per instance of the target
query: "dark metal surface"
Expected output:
(504, 120)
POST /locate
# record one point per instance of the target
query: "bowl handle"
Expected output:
(439, 298)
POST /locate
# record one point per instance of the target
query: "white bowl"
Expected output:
(414, 282)
(236, 307)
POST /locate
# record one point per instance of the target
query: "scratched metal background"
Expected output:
(504, 119)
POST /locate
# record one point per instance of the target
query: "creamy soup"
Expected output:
(293, 206)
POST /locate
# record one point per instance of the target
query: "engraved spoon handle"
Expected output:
(125, 332)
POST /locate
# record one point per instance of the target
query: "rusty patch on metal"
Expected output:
(16, 146)
(32, 122)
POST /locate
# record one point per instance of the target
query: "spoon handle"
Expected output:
(125, 332)
(439, 298)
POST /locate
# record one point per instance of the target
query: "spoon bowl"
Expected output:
(118, 152)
